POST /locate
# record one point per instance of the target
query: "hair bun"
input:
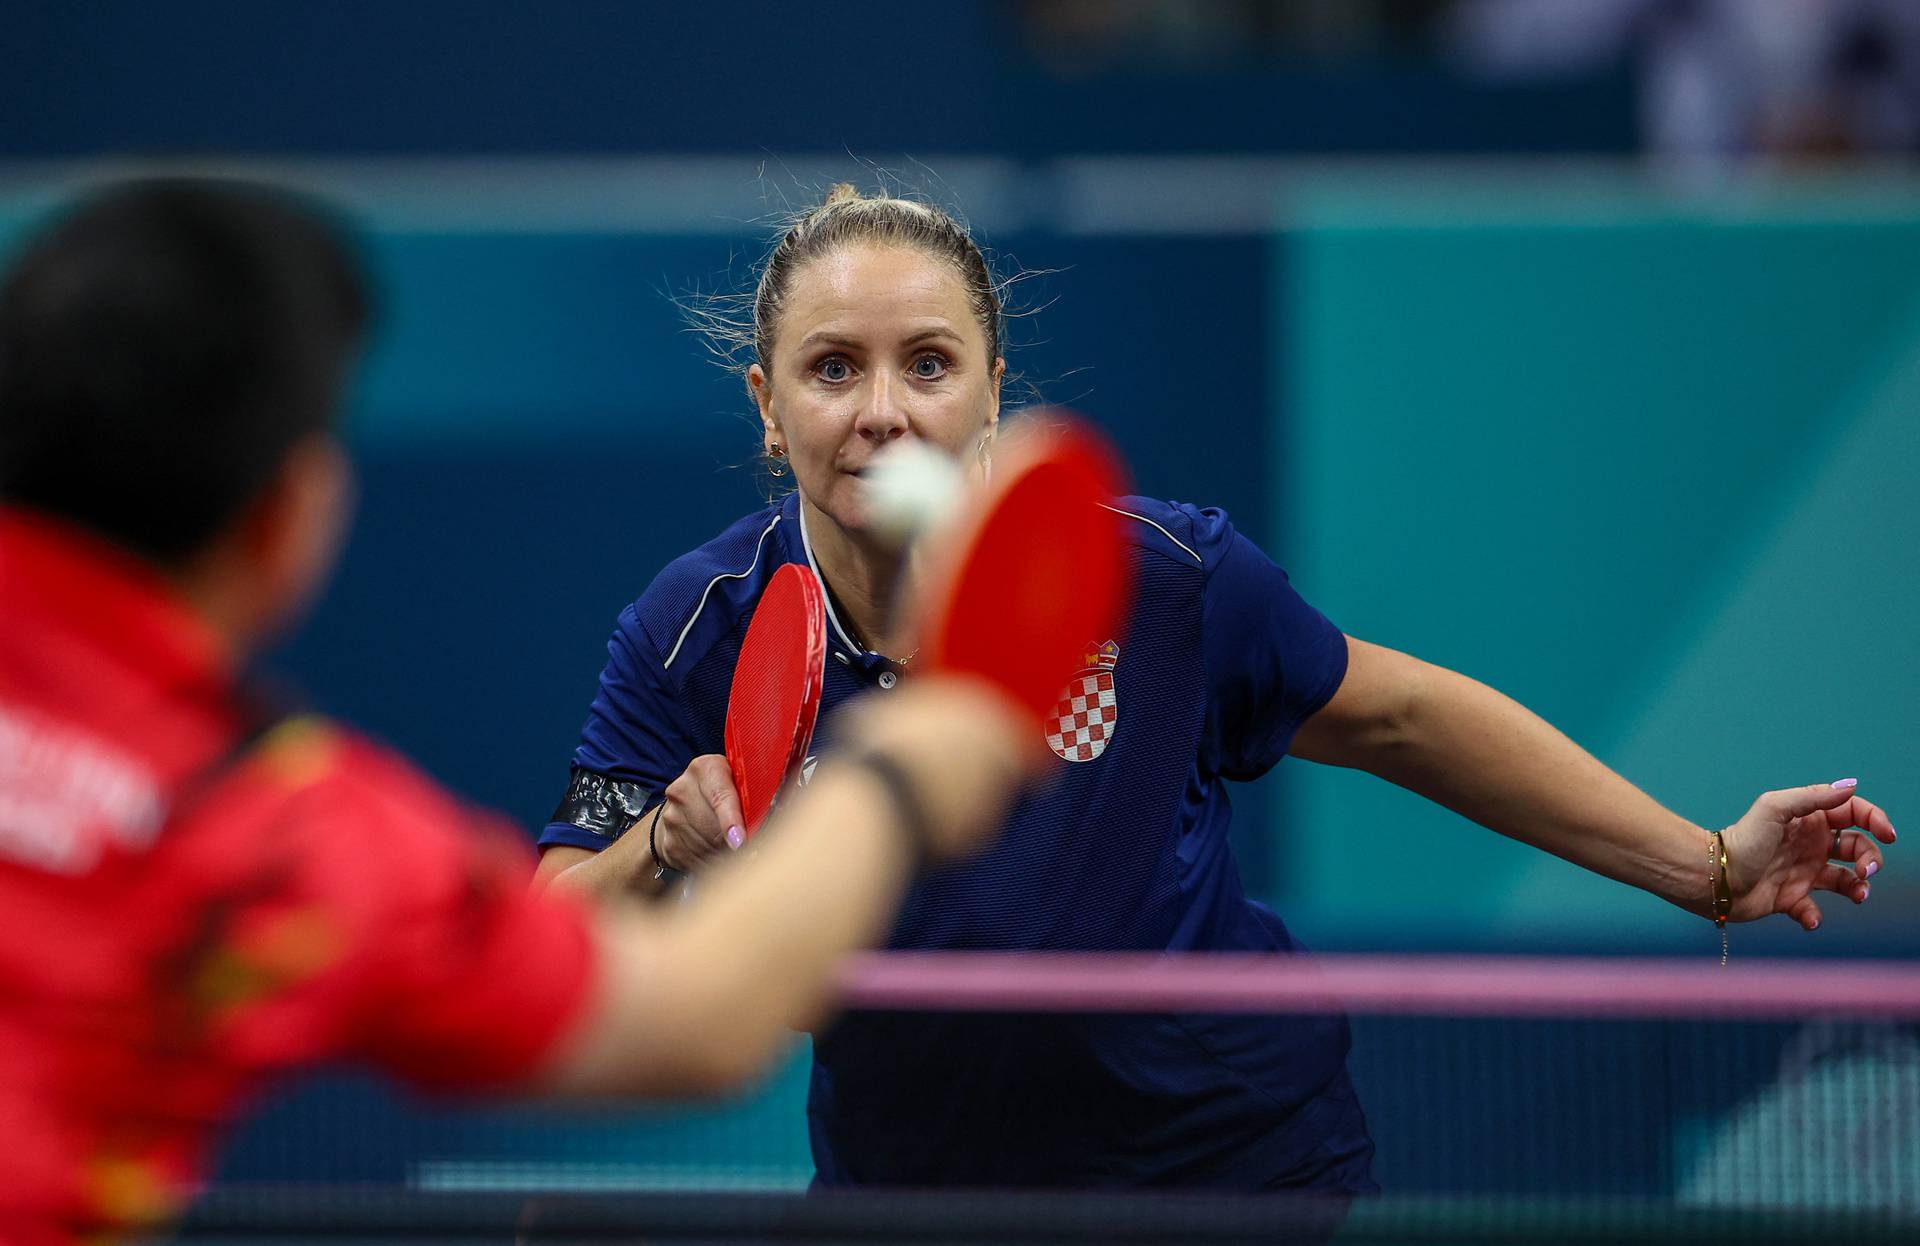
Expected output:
(841, 192)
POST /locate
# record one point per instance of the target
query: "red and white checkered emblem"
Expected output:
(1087, 713)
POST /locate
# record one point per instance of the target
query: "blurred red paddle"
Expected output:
(1035, 575)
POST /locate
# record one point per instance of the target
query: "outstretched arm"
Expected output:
(1488, 758)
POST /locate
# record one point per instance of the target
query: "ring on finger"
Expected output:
(1834, 849)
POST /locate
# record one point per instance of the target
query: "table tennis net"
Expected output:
(1510, 1101)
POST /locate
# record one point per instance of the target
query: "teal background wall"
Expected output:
(1646, 462)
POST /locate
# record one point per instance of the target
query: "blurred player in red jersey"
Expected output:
(199, 895)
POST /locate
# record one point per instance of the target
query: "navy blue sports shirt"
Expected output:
(1125, 848)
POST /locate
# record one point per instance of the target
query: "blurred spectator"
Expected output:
(1724, 78)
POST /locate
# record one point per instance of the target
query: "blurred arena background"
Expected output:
(1574, 344)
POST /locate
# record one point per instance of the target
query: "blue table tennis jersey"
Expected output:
(1123, 848)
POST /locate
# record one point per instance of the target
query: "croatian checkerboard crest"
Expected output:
(1088, 711)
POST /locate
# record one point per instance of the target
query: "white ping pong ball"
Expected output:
(909, 488)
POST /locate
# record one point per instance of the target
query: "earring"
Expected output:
(775, 453)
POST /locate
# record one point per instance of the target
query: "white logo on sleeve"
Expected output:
(66, 796)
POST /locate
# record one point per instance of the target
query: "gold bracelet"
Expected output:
(1717, 883)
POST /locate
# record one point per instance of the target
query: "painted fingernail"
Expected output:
(1865, 891)
(1846, 783)
(735, 837)
(1871, 867)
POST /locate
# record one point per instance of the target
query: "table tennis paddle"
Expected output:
(775, 696)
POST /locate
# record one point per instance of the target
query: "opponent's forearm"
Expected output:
(824, 880)
(1488, 758)
(697, 1000)
(827, 874)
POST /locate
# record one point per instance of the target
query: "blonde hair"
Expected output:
(847, 218)
(739, 328)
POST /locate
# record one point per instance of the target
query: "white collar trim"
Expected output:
(758, 546)
(806, 544)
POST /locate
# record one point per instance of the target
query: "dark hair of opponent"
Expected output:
(163, 346)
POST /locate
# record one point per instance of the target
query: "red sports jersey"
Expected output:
(175, 928)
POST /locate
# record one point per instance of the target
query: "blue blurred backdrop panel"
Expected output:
(359, 77)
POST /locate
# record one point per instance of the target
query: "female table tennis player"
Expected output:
(877, 320)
